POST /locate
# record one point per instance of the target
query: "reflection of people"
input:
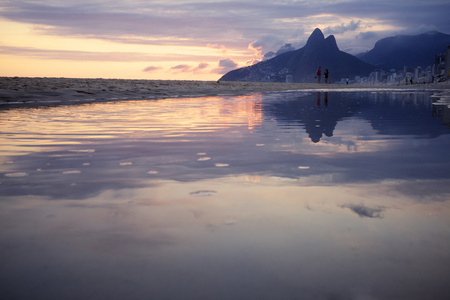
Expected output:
(319, 74)
(325, 75)
(318, 99)
(326, 98)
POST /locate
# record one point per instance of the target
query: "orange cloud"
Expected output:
(217, 46)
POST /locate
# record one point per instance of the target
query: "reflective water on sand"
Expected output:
(275, 196)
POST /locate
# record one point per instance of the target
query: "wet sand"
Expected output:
(53, 91)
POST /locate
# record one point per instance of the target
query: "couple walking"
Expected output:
(319, 75)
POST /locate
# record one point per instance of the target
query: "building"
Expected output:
(439, 64)
(447, 61)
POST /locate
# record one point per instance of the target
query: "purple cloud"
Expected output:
(151, 69)
(225, 65)
(181, 68)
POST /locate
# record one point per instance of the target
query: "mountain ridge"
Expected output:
(406, 50)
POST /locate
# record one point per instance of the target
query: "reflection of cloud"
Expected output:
(366, 212)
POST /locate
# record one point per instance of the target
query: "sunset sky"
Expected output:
(189, 39)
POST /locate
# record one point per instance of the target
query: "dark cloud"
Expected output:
(225, 65)
(366, 212)
(366, 35)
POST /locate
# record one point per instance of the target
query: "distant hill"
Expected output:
(407, 50)
(303, 63)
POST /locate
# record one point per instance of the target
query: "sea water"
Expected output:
(297, 195)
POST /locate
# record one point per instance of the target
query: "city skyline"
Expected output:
(189, 40)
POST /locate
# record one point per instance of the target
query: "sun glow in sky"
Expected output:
(190, 40)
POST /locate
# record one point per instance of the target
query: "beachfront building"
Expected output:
(447, 62)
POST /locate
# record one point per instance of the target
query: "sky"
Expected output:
(189, 39)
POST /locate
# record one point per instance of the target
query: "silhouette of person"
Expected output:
(319, 74)
(325, 75)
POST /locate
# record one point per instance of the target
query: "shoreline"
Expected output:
(38, 91)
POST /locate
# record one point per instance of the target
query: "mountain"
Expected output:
(407, 50)
(303, 63)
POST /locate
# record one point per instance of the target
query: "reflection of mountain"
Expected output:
(388, 113)
(315, 112)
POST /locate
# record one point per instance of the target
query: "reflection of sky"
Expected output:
(227, 198)
(73, 151)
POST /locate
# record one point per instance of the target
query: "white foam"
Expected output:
(83, 150)
(72, 172)
(18, 174)
(221, 165)
(303, 167)
(205, 158)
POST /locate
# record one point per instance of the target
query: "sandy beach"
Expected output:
(53, 91)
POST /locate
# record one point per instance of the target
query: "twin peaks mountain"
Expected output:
(302, 64)
(389, 53)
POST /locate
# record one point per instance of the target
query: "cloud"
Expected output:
(366, 35)
(243, 31)
(181, 68)
(201, 66)
(75, 55)
(225, 65)
(152, 68)
(341, 29)
(217, 46)
(366, 212)
(263, 45)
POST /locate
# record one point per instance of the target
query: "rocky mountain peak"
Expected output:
(315, 38)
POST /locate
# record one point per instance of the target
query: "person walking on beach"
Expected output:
(319, 74)
(325, 75)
